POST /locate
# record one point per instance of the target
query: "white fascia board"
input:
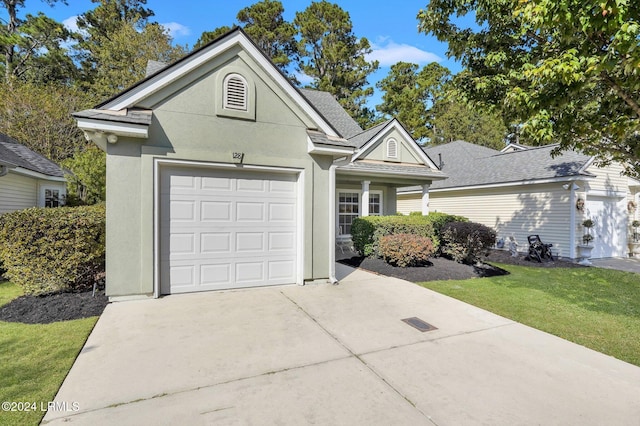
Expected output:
(173, 73)
(37, 175)
(121, 129)
(416, 148)
(588, 164)
(508, 184)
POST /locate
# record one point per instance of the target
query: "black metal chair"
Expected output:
(538, 250)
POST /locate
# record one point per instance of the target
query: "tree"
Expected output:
(39, 116)
(332, 55)
(409, 96)
(455, 120)
(568, 70)
(118, 44)
(86, 182)
(264, 23)
(32, 47)
(208, 36)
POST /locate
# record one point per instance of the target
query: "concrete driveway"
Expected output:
(333, 355)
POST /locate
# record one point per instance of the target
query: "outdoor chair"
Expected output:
(538, 250)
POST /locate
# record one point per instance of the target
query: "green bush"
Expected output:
(367, 231)
(466, 241)
(405, 249)
(47, 250)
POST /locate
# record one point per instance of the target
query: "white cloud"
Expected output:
(176, 30)
(71, 23)
(392, 53)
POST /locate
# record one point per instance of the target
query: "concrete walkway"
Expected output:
(621, 264)
(332, 355)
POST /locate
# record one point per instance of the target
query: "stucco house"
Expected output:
(28, 179)
(222, 174)
(523, 190)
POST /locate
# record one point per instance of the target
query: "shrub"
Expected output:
(405, 249)
(466, 241)
(367, 231)
(47, 250)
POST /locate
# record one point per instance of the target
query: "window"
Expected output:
(52, 198)
(392, 148)
(235, 92)
(375, 206)
(349, 208)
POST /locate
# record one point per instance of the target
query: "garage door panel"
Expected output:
(215, 242)
(249, 212)
(227, 229)
(218, 211)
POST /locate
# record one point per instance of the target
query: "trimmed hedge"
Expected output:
(46, 250)
(366, 231)
(466, 241)
(406, 249)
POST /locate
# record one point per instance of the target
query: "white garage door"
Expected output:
(224, 229)
(610, 222)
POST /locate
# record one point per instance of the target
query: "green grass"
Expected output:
(596, 308)
(34, 360)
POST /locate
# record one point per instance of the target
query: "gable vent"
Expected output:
(392, 148)
(235, 93)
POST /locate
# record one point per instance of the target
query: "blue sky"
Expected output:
(390, 27)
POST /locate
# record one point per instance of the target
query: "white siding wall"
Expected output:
(17, 192)
(409, 203)
(518, 211)
(609, 178)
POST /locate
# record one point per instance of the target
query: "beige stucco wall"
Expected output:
(185, 127)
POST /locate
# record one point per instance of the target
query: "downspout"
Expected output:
(332, 215)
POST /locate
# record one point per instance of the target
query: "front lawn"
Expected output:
(596, 308)
(34, 360)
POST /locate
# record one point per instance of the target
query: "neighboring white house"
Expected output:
(27, 179)
(521, 191)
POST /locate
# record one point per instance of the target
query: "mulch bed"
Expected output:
(441, 268)
(69, 306)
(53, 307)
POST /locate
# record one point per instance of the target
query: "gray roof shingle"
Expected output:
(332, 111)
(468, 164)
(16, 154)
(392, 169)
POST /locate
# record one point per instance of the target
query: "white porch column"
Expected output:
(425, 198)
(365, 198)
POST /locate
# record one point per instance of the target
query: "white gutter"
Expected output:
(332, 216)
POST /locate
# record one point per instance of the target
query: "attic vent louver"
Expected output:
(392, 148)
(235, 92)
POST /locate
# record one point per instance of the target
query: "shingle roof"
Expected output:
(131, 115)
(16, 154)
(363, 137)
(392, 169)
(468, 164)
(319, 138)
(332, 111)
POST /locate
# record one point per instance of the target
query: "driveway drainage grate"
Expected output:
(419, 324)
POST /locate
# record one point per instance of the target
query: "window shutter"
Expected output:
(235, 96)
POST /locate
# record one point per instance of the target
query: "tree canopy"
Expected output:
(264, 23)
(32, 46)
(567, 70)
(334, 57)
(409, 95)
